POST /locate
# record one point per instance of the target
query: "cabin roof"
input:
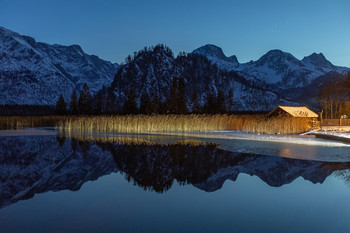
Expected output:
(295, 111)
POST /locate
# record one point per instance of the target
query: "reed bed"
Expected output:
(163, 123)
(185, 123)
(278, 125)
(151, 124)
(15, 122)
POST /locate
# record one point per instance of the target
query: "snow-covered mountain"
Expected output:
(217, 57)
(275, 67)
(37, 73)
(153, 70)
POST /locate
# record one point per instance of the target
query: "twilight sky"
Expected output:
(245, 28)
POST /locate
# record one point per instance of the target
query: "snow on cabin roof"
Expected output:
(296, 111)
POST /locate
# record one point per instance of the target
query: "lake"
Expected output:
(160, 183)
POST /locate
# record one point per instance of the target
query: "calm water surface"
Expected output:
(164, 184)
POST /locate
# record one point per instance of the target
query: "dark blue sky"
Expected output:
(245, 28)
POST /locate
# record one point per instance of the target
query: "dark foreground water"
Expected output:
(128, 184)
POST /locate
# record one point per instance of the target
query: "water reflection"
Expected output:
(30, 165)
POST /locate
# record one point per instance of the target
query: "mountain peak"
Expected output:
(277, 53)
(233, 59)
(217, 57)
(77, 47)
(315, 56)
(210, 50)
(277, 57)
(318, 60)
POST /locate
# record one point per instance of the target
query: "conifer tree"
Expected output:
(195, 102)
(172, 101)
(155, 105)
(145, 104)
(230, 100)
(85, 101)
(181, 100)
(210, 103)
(130, 105)
(101, 98)
(98, 106)
(220, 103)
(73, 107)
(61, 106)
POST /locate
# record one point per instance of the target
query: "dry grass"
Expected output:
(14, 122)
(285, 125)
(162, 123)
(150, 124)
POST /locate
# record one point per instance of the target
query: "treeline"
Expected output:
(26, 110)
(334, 97)
(82, 105)
(176, 103)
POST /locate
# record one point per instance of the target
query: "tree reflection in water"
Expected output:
(30, 165)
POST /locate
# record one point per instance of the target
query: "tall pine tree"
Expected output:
(181, 100)
(130, 105)
(195, 102)
(85, 101)
(145, 104)
(171, 103)
(209, 106)
(61, 106)
(230, 102)
(73, 107)
(155, 105)
(220, 103)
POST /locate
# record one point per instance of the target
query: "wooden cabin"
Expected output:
(290, 111)
(303, 115)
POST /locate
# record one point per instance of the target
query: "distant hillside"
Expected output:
(153, 70)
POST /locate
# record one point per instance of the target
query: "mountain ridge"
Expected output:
(37, 73)
(275, 67)
(153, 70)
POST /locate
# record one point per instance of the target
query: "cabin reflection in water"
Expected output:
(30, 165)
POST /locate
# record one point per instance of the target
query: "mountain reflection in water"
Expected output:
(30, 165)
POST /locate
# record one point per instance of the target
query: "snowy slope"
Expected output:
(37, 73)
(217, 57)
(275, 67)
(153, 71)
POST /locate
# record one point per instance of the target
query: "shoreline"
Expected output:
(26, 132)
